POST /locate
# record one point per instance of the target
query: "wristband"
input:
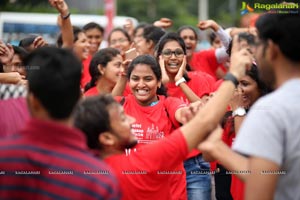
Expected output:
(182, 80)
(66, 17)
(232, 78)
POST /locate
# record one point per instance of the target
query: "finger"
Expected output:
(183, 63)
(164, 19)
(235, 44)
(161, 61)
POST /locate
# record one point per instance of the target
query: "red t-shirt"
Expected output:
(85, 76)
(154, 123)
(201, 84)
(205, 61)
(237, 186)
(144, 174)
(94, 91)
(91, 92)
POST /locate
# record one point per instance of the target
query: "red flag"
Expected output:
(109, 6)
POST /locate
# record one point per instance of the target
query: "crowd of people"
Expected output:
(149, 116)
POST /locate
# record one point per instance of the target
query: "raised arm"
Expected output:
(120, 86)
(189, 93)
(206, 120)
(64, 22)
(224, 37)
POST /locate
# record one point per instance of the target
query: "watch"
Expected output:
(240, 111)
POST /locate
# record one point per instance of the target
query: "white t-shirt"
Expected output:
(271, 131)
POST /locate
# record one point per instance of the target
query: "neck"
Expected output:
(171, 77)
(286, 71)
(65, 122)
(104, 86)
(105, 153)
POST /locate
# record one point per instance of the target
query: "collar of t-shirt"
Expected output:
(53, 133)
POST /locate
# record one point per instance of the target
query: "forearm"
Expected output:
(221, 55)
(196, 130)
(120, 86)
(224, 36)
(238, 120)
(231, 160)
(66, 31)
(189, 93)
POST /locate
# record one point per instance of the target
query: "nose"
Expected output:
(173, 55)
(141, 83)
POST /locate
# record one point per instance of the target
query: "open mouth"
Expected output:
(142, 92)
(173, 65)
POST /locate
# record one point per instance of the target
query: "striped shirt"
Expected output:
(47, 160)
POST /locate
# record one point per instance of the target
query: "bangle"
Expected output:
(230, 77)
(182, 80)
(66, 17)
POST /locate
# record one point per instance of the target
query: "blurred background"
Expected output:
(183, 12)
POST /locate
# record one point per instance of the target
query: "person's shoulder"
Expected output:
(91, 92)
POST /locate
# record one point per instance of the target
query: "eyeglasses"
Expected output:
(167, 53)
(121, 40)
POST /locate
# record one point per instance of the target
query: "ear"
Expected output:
(107, 139)
(34, 103)
(101, 69)
(150, 44)
(273, 50)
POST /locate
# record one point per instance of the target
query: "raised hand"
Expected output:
(240, 60)
(163, 23)
(39, 42)
(181, 70)
(60, 6)
(206, 24)
(165, 78)
(6, 53)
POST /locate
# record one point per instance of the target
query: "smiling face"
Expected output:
(144, 47)
(81, 46)
(144, 84)
(172, 62)
(119, 41)
(95, 37)
(112, 69)
(190, 41)
(249, 91)
(121, 127)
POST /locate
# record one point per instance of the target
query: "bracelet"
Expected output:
(182, 80)
(230, 77)
(66, 17)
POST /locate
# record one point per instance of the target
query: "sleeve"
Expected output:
(221, 55)
(201, 83)
(224, 36)
(165, 154)
(172, 104)
(259, 139)
(211, 58)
